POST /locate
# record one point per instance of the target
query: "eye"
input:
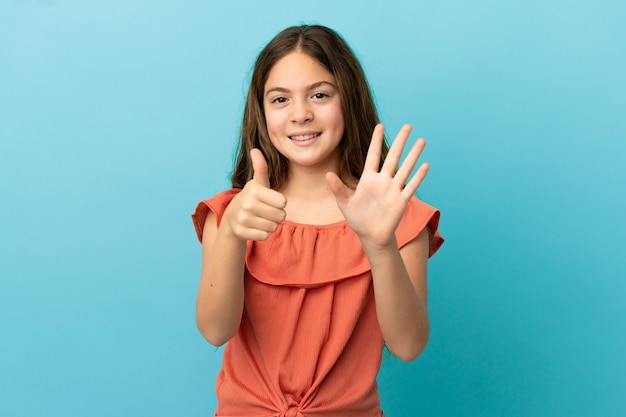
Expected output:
(279, 100)
(320, 96)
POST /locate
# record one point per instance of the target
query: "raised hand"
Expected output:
(257, 210)
(375, 208)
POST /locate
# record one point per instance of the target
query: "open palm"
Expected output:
(375, 208)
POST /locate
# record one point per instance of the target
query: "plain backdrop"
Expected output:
(117, 117)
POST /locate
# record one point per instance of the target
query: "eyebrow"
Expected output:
(310, 87)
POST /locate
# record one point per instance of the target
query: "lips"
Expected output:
(304, 137)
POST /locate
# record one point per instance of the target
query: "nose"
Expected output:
(301, 111)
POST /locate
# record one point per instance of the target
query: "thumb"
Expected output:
(338, 188)
(259, 168)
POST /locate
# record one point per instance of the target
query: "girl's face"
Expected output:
(303, 112)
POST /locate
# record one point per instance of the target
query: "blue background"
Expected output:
(116, 117)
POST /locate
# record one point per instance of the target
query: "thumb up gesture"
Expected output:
(257, 210)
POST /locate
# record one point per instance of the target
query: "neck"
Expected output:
(309, 198)
(306, 183)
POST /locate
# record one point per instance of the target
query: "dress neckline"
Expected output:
(339, 224)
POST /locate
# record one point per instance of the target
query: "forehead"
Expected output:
(295, 70)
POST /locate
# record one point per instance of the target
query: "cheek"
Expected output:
(339, 122)
(272, 122)
(273, 128)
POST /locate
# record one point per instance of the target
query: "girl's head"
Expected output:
(359, 112)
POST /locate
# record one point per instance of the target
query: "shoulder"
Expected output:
(216, 204)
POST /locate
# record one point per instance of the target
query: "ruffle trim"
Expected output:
(309, 256)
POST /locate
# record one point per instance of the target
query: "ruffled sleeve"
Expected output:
(217, 204)
(417, 216)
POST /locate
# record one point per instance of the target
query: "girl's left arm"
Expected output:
(400, 290)
(373, 211)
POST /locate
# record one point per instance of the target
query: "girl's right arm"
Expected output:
(251, 215)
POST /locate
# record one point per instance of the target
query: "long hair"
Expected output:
(357, 105)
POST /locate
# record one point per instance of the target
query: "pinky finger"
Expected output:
(412, 186)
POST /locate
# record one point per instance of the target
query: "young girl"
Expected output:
(316, 258)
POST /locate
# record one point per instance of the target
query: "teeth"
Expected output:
(304, 137)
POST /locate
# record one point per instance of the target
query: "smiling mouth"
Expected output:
(302, 138)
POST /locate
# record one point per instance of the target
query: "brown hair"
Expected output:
(357, 104)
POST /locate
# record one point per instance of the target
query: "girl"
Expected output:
(316, 258)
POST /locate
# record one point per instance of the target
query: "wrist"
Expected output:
(371, 246)
(227, 235)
